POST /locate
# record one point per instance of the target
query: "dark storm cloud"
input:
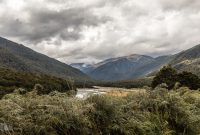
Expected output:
(52, 23)
(45, 24)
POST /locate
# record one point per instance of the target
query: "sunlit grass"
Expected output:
(123, 92)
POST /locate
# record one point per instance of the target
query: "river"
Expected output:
(84, 93)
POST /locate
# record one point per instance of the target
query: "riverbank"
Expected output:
(109, 91)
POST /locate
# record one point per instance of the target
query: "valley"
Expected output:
(134, 94)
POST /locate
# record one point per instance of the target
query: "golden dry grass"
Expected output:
(123, 92)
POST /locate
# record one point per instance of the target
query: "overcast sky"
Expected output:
(92, 30)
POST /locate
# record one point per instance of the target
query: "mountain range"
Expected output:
(19, 57)
(137, 66)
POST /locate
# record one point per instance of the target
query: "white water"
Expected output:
(84, 93)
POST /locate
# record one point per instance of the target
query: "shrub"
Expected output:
(189, 79)
(175, 80)
(166, 75)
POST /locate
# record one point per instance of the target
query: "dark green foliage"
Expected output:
(190, 80)
(166, 75)
(11, 80)
(170, 76)
(136, 83)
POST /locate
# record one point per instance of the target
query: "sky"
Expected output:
(90, 31)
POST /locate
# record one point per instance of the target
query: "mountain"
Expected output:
(19, 57)
(124, 68)
(149, 68)
(188, 60)
(136, 66)
(127, 67)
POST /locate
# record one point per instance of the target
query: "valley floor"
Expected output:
(84, 93)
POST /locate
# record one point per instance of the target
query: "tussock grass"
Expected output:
(153, 112)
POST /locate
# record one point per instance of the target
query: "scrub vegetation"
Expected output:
(151, 112)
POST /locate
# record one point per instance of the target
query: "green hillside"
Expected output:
(188, 60)
(11, 80)
(19, 57)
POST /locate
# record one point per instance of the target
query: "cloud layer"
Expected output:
(93, 30)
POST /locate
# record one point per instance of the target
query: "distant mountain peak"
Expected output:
(135, 55)
(82, 66)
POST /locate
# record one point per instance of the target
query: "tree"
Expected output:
(166, 75)
(189, 79)
(170, 76)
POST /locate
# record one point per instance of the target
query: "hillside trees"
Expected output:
(166, 75)
(12, 79)
(170, 76)
(190, 80)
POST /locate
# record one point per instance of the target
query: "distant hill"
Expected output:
(19, 57)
